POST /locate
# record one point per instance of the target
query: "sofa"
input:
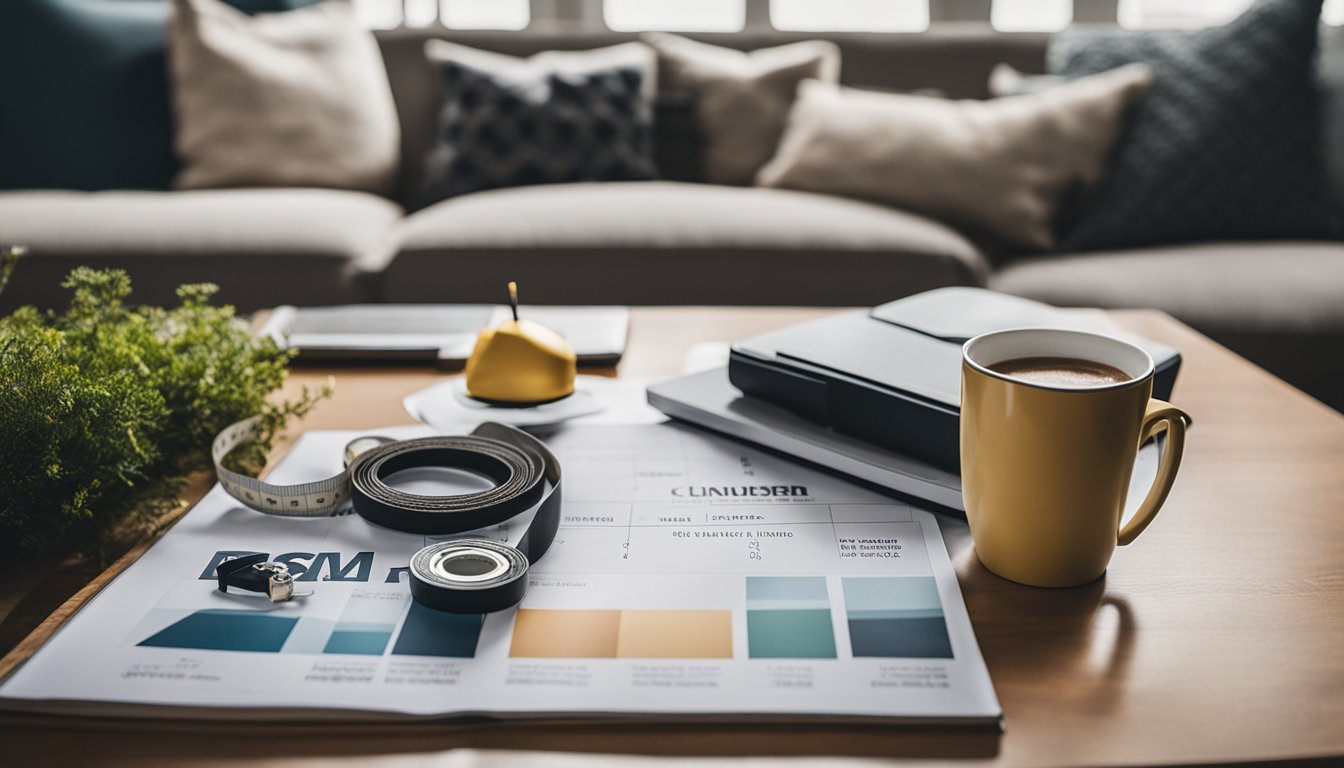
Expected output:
(673, 241)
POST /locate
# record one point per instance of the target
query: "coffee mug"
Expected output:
(1051, 423)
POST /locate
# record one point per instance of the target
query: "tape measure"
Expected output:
(320, 498)
(466, 575)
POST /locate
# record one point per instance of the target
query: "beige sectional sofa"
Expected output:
(666, 242)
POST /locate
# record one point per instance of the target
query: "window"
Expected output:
(1334, 12)
(675, 15)
(806, 15)
(485, 14)
(1179, 13)
(850, 15)
(1031, 15)
(378, 14)
(420, 13)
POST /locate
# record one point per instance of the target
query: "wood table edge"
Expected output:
(30, 644)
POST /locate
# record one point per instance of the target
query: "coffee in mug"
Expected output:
(1051, 423)
(1060, 371)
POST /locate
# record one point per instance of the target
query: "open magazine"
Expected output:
(692, 577)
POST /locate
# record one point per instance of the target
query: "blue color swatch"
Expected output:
(225, 630)
(896, 617)
(427, 632)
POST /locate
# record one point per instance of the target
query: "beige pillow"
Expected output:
(1003, 167)
(741, 99)
(292, 99)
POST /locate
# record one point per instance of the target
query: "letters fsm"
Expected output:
(311, 566)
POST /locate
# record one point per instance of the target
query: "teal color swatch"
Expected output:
(427, 632)
(365, 642)
(789, 617)
(366, 624)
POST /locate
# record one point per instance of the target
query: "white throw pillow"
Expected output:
(1003, 168)
(741, 99)
(292, 99)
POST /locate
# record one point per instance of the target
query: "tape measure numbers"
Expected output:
(320, 498)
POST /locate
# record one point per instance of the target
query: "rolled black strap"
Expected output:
(466, 575)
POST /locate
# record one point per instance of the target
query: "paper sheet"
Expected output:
(691, 576)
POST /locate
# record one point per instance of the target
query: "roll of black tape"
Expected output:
(466, 575)
(469, 576)
(516, 469)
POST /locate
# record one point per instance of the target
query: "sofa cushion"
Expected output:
(1004, 168)
(556, 117)
(954, 59)
(1285, 286)
(1277, 303)
(1227, 144)
(297, 99)
(668, 242)
(741, 99)
(262, 246)
(1330, 78)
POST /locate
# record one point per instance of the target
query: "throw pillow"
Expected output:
(558, 116)
(85, 88)
(298, 99)
(1226, 145)
(1330, 73)
(678, 144)
(1005, 80)
(1002, 168)
(741, 99)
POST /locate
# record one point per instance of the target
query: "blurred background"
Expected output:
(429, 151)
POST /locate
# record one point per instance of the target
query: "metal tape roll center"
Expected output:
(469, 564)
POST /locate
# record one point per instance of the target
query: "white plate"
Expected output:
(448, 408)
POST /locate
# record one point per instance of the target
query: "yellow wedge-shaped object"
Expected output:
(521, 362)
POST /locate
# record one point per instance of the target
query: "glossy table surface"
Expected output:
(1217, 637)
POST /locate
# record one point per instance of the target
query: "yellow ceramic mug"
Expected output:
(1045, 468)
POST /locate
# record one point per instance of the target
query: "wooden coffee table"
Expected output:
(1217, 637)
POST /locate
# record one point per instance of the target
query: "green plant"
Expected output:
(105, 409)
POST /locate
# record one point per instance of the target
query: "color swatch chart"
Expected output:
(786, 617)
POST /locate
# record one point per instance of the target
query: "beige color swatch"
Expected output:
(676, 635)
(564, 634)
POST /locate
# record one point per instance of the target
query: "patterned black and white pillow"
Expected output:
(553, 118)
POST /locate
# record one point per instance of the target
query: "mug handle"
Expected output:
(1158, 414)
